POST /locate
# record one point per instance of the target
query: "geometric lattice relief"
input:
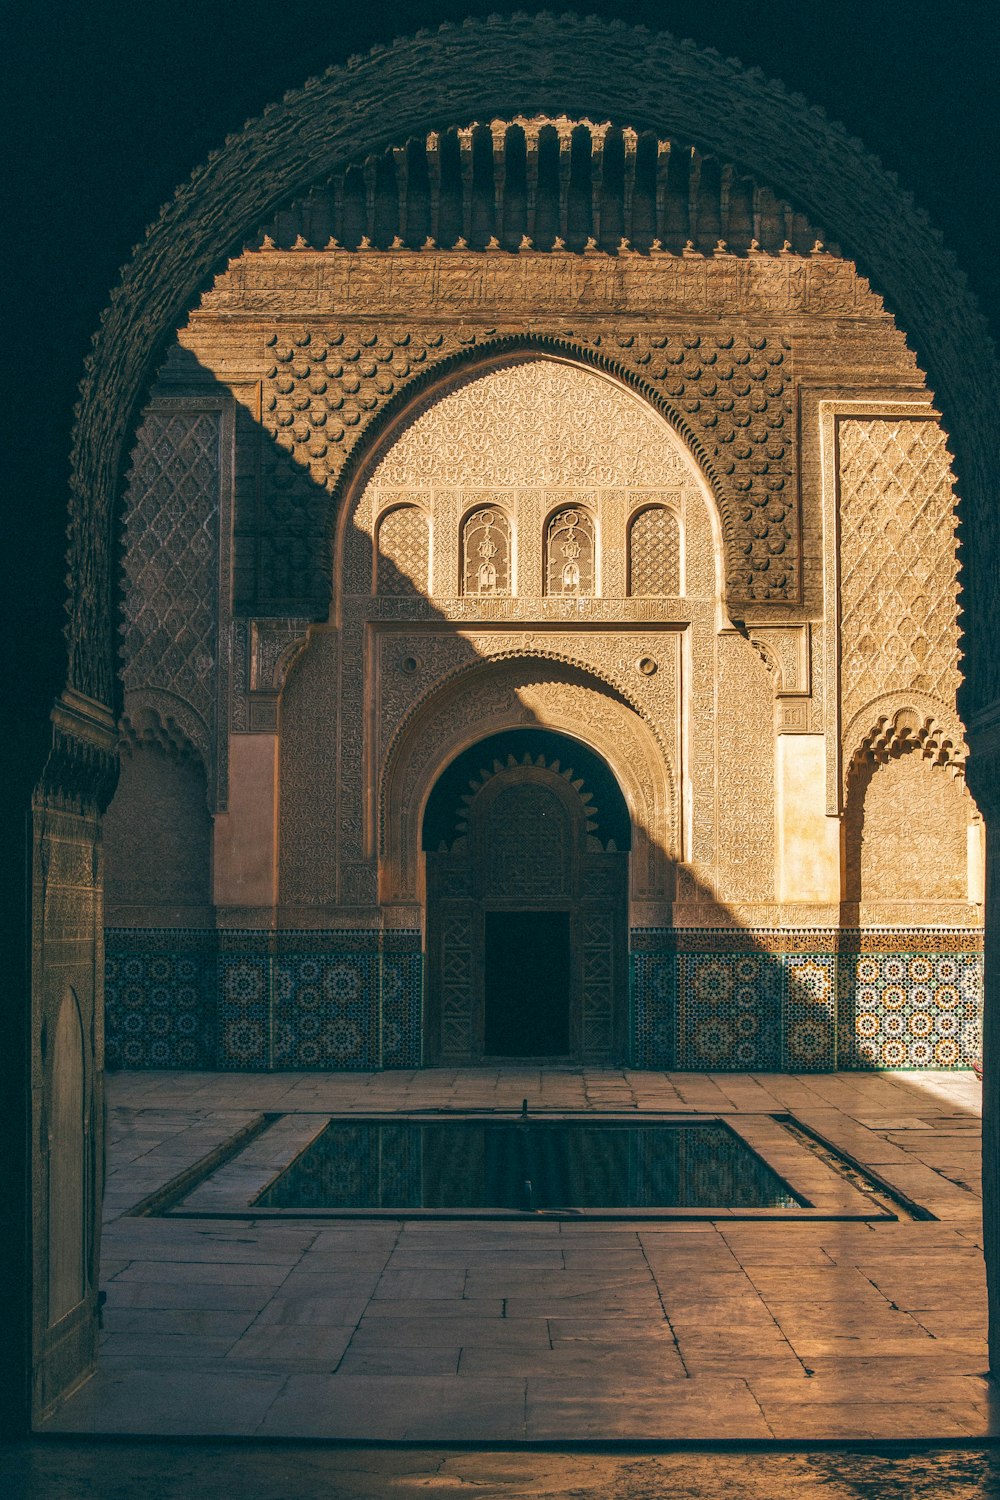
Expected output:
(526, 844)
(171, 543)
(654, 553)
(734, 392)
(403, 552)
(158, 831)
(570, 553)
(898, 592)
(486, 553)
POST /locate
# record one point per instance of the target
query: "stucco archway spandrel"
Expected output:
(520, 427)
(494, 697)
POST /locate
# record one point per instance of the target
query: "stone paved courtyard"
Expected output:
(170, 1470)
(745, 1329)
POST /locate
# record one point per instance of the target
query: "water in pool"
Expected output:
(526, 1165)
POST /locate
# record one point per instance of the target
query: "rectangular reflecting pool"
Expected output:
(526, 1165)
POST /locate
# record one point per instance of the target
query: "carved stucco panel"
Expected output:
(898, 570)
(654, 552)
(403, 545)
(487, 284)
(730, 394)
(699, 752)
(745, 827)
(350, 740)
(170, 635)
(309, 833)
(525, 693)
(412, 668)
(536, 423)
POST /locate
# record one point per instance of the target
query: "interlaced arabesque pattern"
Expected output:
(729, 395)
(899, 590)
(171, 559)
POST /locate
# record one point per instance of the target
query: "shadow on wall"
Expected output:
(192, 986)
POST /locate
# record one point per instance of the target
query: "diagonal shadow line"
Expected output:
(684, 1006)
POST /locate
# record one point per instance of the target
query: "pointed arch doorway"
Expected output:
(527, 836)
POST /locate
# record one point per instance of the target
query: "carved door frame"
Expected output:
(466, 882)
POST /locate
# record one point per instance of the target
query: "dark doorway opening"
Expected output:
(527, 836)
(527, 960)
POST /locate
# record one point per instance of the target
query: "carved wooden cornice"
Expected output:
(81, 771)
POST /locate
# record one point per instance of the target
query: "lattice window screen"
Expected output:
(403, 552)
(570, 553)
(486, 552)
(654, 553)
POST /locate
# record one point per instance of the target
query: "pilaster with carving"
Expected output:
(67, 1043)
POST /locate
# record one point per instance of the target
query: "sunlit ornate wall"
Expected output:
(584, 434)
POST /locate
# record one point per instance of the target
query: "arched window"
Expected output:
(486, 552)
(570, 553)
(654, 553)
(403, 552)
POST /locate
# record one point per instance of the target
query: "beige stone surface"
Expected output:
(245, 852)
(723, 555)
(808, 840)
(727, 1328)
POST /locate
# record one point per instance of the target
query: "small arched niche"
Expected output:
(566, 459)
(571, 555)
(402, 552)
(654, 553)
(907, 823)
(486, 553)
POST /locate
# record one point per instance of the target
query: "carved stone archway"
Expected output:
(496, 696)
(527, 888)
(484, 67)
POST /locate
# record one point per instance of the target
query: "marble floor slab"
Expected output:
(736, 1329)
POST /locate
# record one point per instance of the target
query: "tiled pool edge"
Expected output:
(231, 1189)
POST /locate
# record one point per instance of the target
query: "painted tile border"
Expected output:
(704, 999)
(799, 1000)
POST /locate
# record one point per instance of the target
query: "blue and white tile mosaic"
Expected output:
(325, 1010)
(244, 1011)
(728, 1012)
(402, 1010)
(653, 1023)
(701, 999)
(809, 1013)
(251, 1001)
(805, 1001)
(159, 1005)
(910, 1010)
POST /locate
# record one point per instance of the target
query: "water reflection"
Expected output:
(478, 1164)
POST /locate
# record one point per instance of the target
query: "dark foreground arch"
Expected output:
(499, 66)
